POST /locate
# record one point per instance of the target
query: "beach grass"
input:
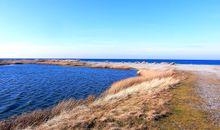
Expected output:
(144, 75)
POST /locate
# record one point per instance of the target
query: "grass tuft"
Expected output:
(144, 75)
(39, 116)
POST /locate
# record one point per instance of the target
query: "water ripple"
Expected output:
(27, 87)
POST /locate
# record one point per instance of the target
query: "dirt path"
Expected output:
(208, 88)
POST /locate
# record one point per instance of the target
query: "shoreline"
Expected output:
(150, 61)
(122, 91)
(65, 63)
(115, 65)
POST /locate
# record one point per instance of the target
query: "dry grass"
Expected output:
(130, 103)
(147, 86)
(64, 106)
(61, 62)
(134, 110)
(110, 66)
(121, 67)
(145, 75)
(117, 86)
(7, 62)
(156, 73)
(50, 62)
(64, 63)
(144, 106)
(39, 116)
(29, 119)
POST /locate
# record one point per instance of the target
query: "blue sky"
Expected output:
(159, 29)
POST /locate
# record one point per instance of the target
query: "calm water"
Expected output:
(28, 87)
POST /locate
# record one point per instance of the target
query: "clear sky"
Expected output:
(159, 29)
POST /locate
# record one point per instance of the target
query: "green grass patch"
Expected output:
(185, 111)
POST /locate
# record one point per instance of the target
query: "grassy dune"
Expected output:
(144, 75)
(133, 104)
(153, 100)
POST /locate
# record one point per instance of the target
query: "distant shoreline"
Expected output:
(176, 61)
(111, 65)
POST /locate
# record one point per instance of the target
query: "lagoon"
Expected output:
(27, 87)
